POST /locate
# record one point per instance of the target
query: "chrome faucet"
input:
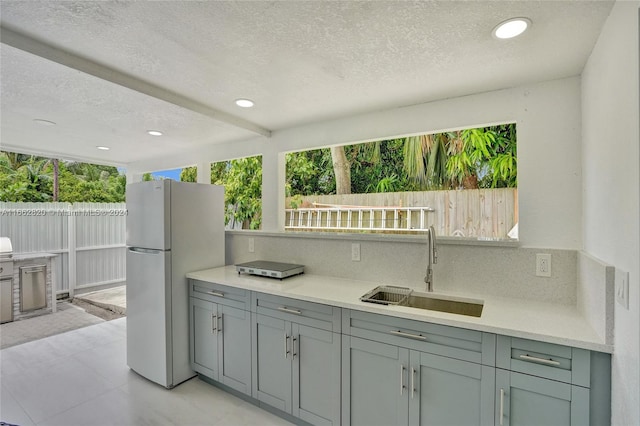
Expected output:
(432, 257)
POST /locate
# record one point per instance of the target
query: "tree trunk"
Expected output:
(341, 169)
(470, 182)
(56, 172)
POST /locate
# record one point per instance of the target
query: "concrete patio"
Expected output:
(85, 310)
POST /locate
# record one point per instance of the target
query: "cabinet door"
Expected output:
(234, 348)
(316, 375)
(528, 400)
(272, 362)
(375, 388)
(447, 391)
(204, 340)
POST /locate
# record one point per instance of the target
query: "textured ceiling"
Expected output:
(300, 62)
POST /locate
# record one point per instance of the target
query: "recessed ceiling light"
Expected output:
(103, 148)
(44, 122)
(244, 103)
(511, 28)
(154, 132)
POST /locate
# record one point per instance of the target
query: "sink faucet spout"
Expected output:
(432, 257)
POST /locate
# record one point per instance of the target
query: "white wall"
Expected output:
(611, 200)
(549, 166)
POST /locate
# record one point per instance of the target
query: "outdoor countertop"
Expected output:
(31, 256)
(546, 322)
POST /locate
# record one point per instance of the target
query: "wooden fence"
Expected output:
(475, 213)
(89, 239)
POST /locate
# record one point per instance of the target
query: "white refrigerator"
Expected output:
(172, 228)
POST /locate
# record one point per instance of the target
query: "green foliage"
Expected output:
(189, 174)
(242, 180)
(309, 172)
(30, 179)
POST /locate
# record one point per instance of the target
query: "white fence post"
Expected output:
(72, 270)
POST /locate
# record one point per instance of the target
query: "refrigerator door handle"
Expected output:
(139, 250)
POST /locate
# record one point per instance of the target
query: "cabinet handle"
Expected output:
(294, 348)
(214, 323)
(401, 379)
(409, 335)
(413, 387)
(286, 346)
(215, 293)
(501, 407)
(219, 324)
(291, 311)
(540, 360)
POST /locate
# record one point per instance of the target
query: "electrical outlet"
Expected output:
(252, 245)
(622, 288)
(355, 252)
(543, 265)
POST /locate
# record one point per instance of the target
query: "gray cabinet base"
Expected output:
(286, 416)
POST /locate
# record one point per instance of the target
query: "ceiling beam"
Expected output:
(28, 44)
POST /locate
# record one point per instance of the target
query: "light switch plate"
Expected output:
(252, 245)
(622, 288)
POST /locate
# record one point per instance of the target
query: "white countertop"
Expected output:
(547, 322)
(31, 256)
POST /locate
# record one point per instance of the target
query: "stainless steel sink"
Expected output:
(469, 308)
(403, 296)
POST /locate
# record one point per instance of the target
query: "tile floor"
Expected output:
(81, 378)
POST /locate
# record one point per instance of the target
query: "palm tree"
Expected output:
(463, 159)
(425, 160)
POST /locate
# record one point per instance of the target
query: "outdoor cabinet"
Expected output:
(547, 384)
(398, 376)
(220, 334)
(33, 289)
(296, 362)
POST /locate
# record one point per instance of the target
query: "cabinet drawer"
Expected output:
(217, 293)
(316, 315)
(452, 342)
(548, 360)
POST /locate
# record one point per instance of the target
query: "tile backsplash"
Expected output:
(471, 269)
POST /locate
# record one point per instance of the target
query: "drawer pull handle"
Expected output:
(540, 360)
(291, 311)
(215, 293)
(409, 335)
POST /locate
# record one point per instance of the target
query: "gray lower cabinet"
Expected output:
(447, 391)
(405, 372)
(374, 388)
(389, 385)
(522, 399)
(548, 384)
(221, 341)
(329, 366)
(296, 366)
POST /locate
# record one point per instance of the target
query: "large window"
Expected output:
(462, 182)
